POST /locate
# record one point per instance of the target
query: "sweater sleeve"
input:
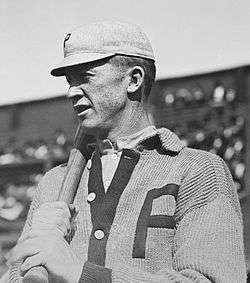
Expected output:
(40, 196)
(208, 241)
(45, 192)
(14, 272)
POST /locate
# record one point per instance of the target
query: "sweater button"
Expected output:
(99, 234)
(89, 164)
(91, 197)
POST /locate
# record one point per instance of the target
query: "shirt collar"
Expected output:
(133, 140)
(169, 140)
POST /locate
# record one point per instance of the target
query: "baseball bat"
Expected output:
(77, 160)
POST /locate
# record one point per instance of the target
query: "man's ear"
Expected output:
(137, 75)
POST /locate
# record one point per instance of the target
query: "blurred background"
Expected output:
(201, 93)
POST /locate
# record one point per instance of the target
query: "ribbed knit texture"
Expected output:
(207, 242)
(93, 273)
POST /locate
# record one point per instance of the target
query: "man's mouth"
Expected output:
(81, 109)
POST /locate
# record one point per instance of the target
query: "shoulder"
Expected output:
(207, 178)
(171, 142)
(197, 159)
(205, 167)
(189, 162)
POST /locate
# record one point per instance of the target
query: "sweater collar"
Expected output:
(169, 140)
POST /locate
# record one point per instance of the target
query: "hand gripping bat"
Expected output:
(76, 164)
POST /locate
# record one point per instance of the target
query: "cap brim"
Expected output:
(77, 59)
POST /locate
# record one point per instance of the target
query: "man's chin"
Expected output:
(93, 129)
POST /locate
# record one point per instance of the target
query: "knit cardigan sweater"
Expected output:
(170, 214)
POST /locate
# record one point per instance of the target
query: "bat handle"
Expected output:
(76, 164)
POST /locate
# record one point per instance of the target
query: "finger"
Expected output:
(58, 205)
(49, 212)
(22, 250)
(32, 261)
(51, 215)
(46, 220)
(47, 215)
(23, 237)
(20, 255)
(43, 233)
(58, 223)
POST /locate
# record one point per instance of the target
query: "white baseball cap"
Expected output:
(100, 40)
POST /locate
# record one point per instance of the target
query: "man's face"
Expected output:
(99, 95)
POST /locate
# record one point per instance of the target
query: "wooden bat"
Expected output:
(76, 164)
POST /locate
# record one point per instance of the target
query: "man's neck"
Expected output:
(134, 121)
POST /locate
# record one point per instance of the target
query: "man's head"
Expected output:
(106, 39)
(100, 40)
(108, 65)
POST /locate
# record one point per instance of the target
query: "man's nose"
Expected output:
(74, 92)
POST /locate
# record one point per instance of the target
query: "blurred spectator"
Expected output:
(196, 96)
(15, 196)
(216, 128)
(35, 150)
(10, 153)
(222, 133)
(61, 145)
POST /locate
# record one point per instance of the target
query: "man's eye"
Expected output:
(68, 80)
(79, 78)
(89, 74)
(85, 75)
(85, 78)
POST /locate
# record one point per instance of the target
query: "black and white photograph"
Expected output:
(125, 141)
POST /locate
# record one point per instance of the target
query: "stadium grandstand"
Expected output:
(208, 111)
